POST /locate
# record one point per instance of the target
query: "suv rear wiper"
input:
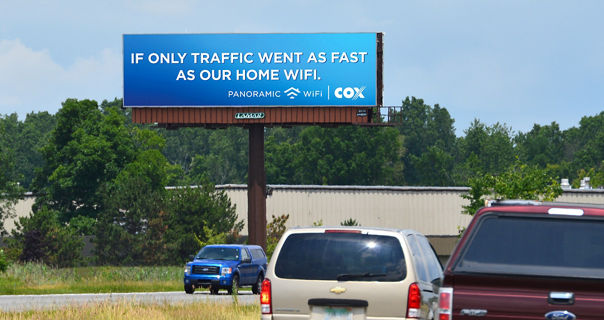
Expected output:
(350, 276)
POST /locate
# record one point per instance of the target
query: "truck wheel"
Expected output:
(234, 289)
(213, 289)
(189, 289)
(257, 287)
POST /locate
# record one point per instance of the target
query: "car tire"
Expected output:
(234, 289)
(257, 287)
(189, 289)
(213, 289)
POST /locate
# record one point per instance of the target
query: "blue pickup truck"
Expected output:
(226, 266)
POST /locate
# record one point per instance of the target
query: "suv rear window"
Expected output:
(545, 246)
(343, 256)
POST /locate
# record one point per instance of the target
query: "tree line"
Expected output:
(94, 172)
(420, 149)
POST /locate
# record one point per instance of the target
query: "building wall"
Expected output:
(22, 209)
(433, 211)
(595, 196)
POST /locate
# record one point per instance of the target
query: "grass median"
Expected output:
(35, 278)
(128, 311)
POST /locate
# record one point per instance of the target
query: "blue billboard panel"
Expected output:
(197, 70)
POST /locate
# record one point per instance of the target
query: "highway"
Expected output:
(44, 302)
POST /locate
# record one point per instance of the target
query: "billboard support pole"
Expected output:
(256, 187)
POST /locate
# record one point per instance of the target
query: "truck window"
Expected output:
(244, 254)
(550, 246)
(257, 253)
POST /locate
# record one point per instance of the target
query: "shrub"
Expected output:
(42, 238)
(274, 231)
(350, 222)
(4, 262)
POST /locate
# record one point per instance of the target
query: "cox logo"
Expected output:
(349, 93)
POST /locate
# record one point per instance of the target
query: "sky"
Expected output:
(516, 62)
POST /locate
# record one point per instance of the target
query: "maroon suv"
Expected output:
(527, 260)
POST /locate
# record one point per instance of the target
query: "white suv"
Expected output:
(351, 273)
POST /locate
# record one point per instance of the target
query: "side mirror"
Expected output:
(191, 257)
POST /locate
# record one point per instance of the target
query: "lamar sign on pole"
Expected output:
(234, 70)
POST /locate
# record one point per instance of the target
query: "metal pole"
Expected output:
(256, 187)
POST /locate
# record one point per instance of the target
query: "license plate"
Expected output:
(337, 313)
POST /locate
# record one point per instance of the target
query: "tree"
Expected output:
(434, 167)
(226, 160)
(589, 142)
(218, 155)
(541, 146)
(33, 135)
(520, 181)
(193, 215)
(10, 191)
(24, 139)
(131, 227)
(279, 159)
(10, 128)
(343, 155)
(87, 149)
(596, 176)
(484, 150)
(184, 144)
(429, 138)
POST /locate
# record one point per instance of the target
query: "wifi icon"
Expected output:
(292, 92)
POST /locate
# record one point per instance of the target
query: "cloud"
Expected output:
(159, 7)
(32, 81)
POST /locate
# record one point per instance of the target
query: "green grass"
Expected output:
(35, 278)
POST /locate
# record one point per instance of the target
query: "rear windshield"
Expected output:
(546, 246)
(341, 256)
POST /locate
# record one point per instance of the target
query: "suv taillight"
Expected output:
(266, 305)
(445, 304)
(414, 300)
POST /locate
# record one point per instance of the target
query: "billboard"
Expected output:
(233, 70)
